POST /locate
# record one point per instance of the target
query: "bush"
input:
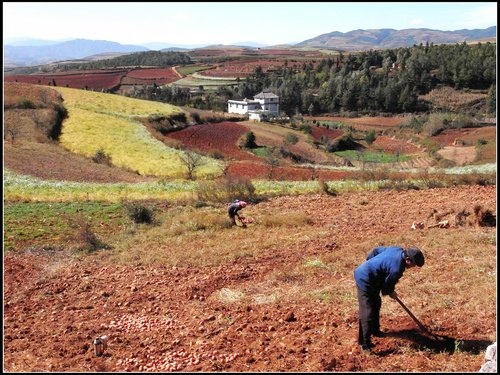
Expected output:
(86, 239)
(26, 104)
(249, 141)
(325, 189)
(345, 142)
(101, 157)
(225, 190)
(139, 213)
(371, 136)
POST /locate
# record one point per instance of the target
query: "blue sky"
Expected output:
(204, 23)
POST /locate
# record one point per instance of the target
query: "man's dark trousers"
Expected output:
(369, 315)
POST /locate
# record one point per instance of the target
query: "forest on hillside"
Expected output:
(375, 81)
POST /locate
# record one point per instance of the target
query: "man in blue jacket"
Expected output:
(382, 269)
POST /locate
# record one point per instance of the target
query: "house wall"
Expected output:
(254, 116)
(271, 105)
(241, 107)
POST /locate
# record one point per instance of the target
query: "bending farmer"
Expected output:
(382, 269)
(233, 209)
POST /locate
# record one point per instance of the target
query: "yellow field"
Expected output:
(99, 121)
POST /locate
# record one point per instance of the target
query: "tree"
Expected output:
(249, 141)
(491, 100)
(191, 161)
(371, 136)
(11, 130)
(273, 161)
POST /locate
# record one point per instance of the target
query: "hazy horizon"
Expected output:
(268, 23)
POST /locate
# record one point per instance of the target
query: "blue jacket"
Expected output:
(382, 269)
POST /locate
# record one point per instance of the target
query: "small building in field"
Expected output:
(259, 115)
(264, 104)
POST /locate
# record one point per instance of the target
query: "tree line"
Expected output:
(148, 59)
(388, 81)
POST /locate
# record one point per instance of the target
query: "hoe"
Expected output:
(420, 325)
(439, 342)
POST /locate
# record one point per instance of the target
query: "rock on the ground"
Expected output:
(490, 359)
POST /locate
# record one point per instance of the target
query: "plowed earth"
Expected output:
(228, 317)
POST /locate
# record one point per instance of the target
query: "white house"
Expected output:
(269, 102)
(263, 105)
(242, 106)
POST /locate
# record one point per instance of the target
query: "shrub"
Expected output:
(101, 157)
(371, 136)
(306, 129)
(240, 188)
(345, 142)
(291, 138)
(61, 115)
(249, 141)
(324, 188)
(86, 239)
(139, 213)
(26, 104)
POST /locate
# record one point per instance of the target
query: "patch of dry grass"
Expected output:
(447, 98)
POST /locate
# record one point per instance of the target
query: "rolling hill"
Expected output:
(70, 50)
(358, 40)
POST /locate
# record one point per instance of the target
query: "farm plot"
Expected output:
(362, 123)
(91, 80)
(466, 145)
(280, 299)
(208, 83)
(241, 69)
(393, 145)
(262, 170)
(214, 138)
(319, 132)
(150, 76)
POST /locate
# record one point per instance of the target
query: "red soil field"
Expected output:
(215, 137)
(164, 318)
(262, 170)
(243, 68)
(394, 145)
(150, 76)
(92, 80)
(286, 52)
(321, 131)
(468, 135)
(362, 122)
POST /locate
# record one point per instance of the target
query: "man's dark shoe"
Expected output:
(367, 347)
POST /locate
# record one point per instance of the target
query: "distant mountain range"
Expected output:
(19, 53)
(360, 40)
(70, 50)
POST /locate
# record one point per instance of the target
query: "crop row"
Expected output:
(108, 80)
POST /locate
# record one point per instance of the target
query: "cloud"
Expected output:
(483, 16)
(416, 22)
